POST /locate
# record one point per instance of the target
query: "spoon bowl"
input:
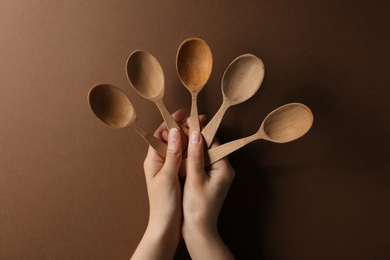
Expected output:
(242, 78)
(112, 106)
(240, 81)
(194, 64)
(146, 76)
(284, 124)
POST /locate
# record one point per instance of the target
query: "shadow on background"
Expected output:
(246, 212)
(243, 217)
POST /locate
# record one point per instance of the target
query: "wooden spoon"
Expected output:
(146, 77)
(284, 124)
(113, 107)
(240, 81)
(193, 64)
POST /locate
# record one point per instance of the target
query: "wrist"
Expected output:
(199, 223)
(165, 224)
(205, 243)
(196, 231)
(164, 237)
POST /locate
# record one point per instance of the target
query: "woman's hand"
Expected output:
(203, 196)
(163, 232)
(199, 201)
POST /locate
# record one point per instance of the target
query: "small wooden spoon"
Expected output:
(240, 81)
(284, 124)
(146, 77)
(193, 64)
(113, 107)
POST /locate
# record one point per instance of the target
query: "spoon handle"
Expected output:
(158, 145)
(169, 121)
(217, 153)
(194, 117)
(211, 128)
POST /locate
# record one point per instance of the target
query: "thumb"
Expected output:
(173, 157)
(195, 153)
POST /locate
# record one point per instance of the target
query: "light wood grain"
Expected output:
(240, 81)
(194, 64)
(284, 124)
(146, 77)
(112, 106)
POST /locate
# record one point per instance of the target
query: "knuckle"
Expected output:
(194, 155)
(232, 175)
(174, 154)
(229, 175)
(146, 164)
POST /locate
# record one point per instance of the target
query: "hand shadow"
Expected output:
(243, 216)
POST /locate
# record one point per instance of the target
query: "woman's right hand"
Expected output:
(203, 196)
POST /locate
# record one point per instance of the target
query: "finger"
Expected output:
(152, 155)
(185, 126)
(221, 163)
(162, 132)
(195, 160)
(164, 135)
(215, 143)
(202, 119)
(173, 157)
(152, 159)
(178, 116)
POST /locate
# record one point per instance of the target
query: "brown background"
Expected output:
(73, 188)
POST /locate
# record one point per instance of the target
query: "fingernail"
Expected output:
(195, 137)
(173, 133)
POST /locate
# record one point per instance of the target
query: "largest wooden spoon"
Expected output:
(284, 124)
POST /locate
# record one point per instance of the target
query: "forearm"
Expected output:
(157, 244)
(206, 244)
